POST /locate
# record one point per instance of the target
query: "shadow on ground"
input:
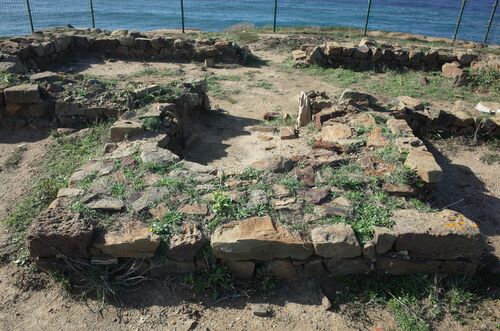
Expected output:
(461, 190)
(206, 133)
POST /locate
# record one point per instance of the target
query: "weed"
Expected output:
(348, 177)
(87, 181)
(222, 204)
(215, 280)
(405, 311)
(167, 225)
(250, 174)
(118, 189)
(486, 78)
(261, 83)
(8, 79)
(291, 183)
(152, 124)
(391, 154)
(490, 158)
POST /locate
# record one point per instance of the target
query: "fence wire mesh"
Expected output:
(427, 17)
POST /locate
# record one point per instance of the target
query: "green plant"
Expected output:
(87, 181)
(291, 183)
(152, 124)
(222, 204)
(250, 174)
(8, 79)
(167, 225)
(118, 189)
(405, 311)
(348, 176)
(391, 154)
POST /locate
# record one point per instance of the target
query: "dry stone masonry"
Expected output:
(43, 49)
(170, 212)
(370, 55)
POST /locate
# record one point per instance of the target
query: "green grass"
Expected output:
(416, 302)
(261, 83)
(291, 183)
(216, 90)
(155, 72)
(64, 156)
(335, 76)
(250, 174)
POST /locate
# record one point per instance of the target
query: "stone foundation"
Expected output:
(368, 55)
(47, 48)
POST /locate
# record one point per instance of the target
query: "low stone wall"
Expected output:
(445, 242)
(369, 55)
(46, 48)
(171, 227)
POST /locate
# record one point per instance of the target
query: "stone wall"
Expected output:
(369, 55)
(410, 241)
(46, 48)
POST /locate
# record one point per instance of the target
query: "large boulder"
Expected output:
(134, 240)
(446, 235)
(58, 232)
(425, 164)
(335, 241)
(258, 238)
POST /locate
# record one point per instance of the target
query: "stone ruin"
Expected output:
(369, 55)
(44, 49)
(93, 221)
(353, 130)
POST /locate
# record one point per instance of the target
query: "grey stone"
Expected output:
(444, 235)
(342, 267)
(335, 241)
(57, 232)
(240, 269)
(395, 266)
(107, 204)
(185, 244)
(23, 94)
(259, 239)
(123, 129)
(151, 153)
(384, 239)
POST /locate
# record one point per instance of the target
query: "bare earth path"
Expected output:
(221, 140)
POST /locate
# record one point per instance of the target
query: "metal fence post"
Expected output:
(182, 15)
(92, 13)
(490, 22)
(459, 19)
(275, 14)
(367, 16)
(29, 16)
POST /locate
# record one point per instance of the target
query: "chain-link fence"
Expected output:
(467, 19)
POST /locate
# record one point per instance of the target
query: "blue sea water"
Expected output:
(427, 17)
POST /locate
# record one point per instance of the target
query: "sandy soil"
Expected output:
(223, 140)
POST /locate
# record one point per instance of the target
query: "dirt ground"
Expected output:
(224, 141)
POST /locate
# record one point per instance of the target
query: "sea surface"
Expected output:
(428, 17)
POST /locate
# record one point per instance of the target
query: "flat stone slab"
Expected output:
(335, 241)
(134, 241)
(23, 94)
(335, 132)
(258, 238)
(446, 235)
(425, 164)
(122, 129)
